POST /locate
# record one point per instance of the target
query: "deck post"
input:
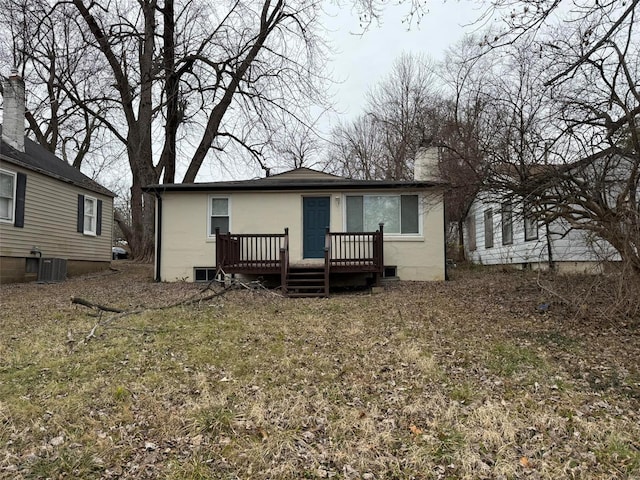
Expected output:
(327, 260)
(380, 254)
(219, 256)
(284, 261)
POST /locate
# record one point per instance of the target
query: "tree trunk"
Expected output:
(141, 234)
(168, 157)
(461, 252)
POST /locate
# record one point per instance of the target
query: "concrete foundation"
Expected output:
(14, 269)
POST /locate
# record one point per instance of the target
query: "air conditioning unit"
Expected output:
(52, 270)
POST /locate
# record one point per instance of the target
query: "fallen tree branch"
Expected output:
(87, 303)
(120, 313)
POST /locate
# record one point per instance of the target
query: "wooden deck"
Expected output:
(262, 254)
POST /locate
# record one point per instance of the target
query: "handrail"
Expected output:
(268, 253)
(380, 252)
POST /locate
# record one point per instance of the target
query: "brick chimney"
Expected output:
(13, 115)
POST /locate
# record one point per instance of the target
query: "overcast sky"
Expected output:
(361, 61)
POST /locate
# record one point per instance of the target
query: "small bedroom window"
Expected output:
(218, 215)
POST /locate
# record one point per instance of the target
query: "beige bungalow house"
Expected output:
(306, 229)
(54, 220)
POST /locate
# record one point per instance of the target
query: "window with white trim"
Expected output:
(218, 215)
(399, 213)
(7, 195)
(90, 215)
(204, 274)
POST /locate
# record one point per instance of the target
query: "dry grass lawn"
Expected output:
(457, 380)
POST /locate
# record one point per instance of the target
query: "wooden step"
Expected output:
(307, 273)
(305, 282)
(305, 294)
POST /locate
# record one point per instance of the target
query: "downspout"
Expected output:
(158, 235)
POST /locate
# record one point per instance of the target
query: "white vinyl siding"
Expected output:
(7, 196)
(471, 231)
(567, 245)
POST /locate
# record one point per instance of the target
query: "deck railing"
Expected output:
(355, 252)
(251, 253)
(345, 252)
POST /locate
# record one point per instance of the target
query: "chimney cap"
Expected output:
(14, 73)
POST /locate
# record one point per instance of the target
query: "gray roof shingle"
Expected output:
(39, 159)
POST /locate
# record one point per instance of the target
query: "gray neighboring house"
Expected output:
(54, 220)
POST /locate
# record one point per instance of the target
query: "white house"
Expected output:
(501, 230)
(289, 225)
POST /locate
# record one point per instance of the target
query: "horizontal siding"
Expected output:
(520, 251)
(579, 245)
(567, 245)
(50, 222)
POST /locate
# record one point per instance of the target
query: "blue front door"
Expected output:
(315, 218)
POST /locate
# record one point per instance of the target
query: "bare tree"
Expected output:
(356, 149)
(37, 39)
(566, 120)
(299, 146)
(403, 107)
(400, 116)
(172, 73)
(466, 130)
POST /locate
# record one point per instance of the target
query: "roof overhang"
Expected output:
(100, 189)
(268, 185)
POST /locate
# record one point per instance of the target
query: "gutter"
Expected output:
(549, 247)
(99, 189)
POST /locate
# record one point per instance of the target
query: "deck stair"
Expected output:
(306, 281)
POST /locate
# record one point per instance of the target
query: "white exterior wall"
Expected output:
(520, 251)
(578, 245)
(185, 242)
(567, 245)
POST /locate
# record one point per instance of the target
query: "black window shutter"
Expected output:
(21, 188)
(81, 213)
(99, 218)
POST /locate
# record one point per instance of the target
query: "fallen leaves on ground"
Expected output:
(463, 379)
